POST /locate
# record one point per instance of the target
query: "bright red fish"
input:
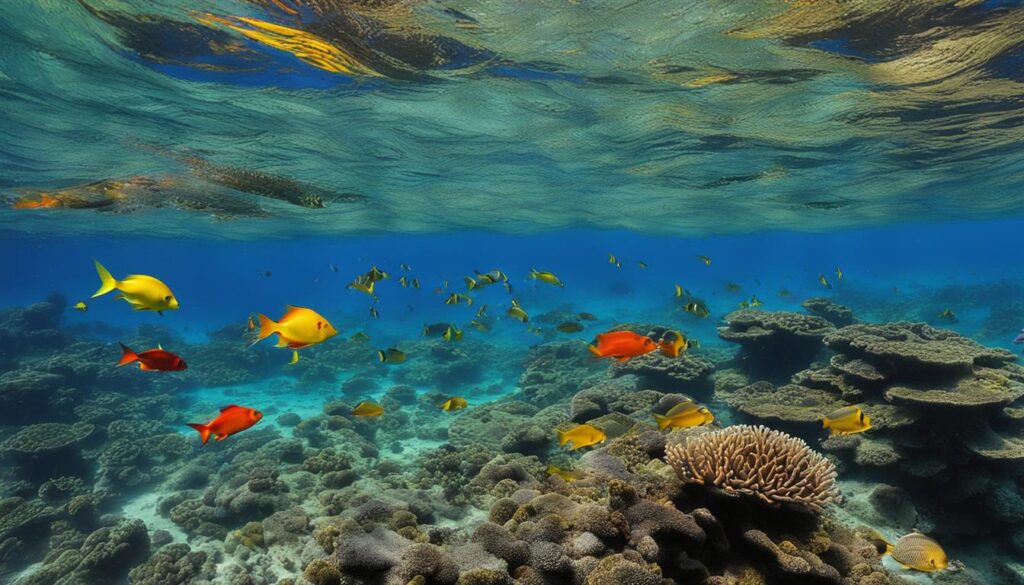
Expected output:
(232, 419)
(158, 359)
(622, 345)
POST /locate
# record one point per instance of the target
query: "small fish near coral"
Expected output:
(154, 360)
(846, 421)
(581, 436)
(231, 420)
(621, 345)
(367, 409)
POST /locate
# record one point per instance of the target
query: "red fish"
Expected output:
(622, 345)
(232, 419)
(158, 359)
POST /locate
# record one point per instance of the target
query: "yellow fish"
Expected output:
(455, 298)
(453, 403)
(613, 260)
(548, 277)
(698, 309)
(673, 344)
(839, 273)
(947, 314)
(743, 304)
(299, 327)
(402, 280)
(641, 264)
(479, 326)
(566, 474)
(363, 287)
(824, 281)
(368, 409)
(680, 291)
(517, 312)
(452, 334)
(919, 552)
(81, 306)
(416, 283)
(581, 436)
(705, 260)
(141, 291)
(685, 415)
(481, 312)
(391, 355)
(755, 302)
(846, 421)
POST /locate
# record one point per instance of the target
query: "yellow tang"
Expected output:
(368, 409)
(581, 436)
(846, 421)
(299, 327)
(685, 415)
(391, 355)
(919, 552)
(453, 403)
(81, 306)
(548, 277)
(141, 291)
(824, 281)
(839, 273)
(705, 260)
(566, 474)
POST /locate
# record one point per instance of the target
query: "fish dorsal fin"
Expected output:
(290, 311)
(229, 407)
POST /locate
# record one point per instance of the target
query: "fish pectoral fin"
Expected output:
(220, 437)
(143, 366)
(624, 358)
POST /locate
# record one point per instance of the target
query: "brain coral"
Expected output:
(756, 461)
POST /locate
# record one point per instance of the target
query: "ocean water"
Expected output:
(791, 208)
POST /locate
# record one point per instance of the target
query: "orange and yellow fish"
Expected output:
(232, 419)
(622, 345)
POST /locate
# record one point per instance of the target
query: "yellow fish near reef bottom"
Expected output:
(581, 436)
(846, 421)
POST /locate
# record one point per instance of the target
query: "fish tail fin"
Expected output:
(127, 357)
(267, 327)
(204, 431)
(107, 282)
(295, 357)
(593, 349)
(663, 421)
(825, 423)
(562, 438)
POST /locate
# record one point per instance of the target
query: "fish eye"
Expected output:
(168, 298)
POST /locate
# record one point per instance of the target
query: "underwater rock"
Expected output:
(105, 556)
(774, 345)
(173, 564)
(556, 371)
(686, 374)
(30, 396)
(47, 449)
(834, 313)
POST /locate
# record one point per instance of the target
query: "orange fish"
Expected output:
(622, 345)
(159, 359)
(44, 201)
(232, 419)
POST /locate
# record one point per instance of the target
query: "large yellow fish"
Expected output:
(685, 415)
(367, 409)
(919, 552)
(141, 291)
(453, 403)
(548, 277)
(846, 421)
(581, 436)
(299, 327)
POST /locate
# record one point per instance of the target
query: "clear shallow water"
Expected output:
(255, 154)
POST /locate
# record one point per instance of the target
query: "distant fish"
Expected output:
(698, 309)
(839, 273)
(81, 306)
(733, 287)
(359, 336)
(548, 277)
(232, 419)
(363, 287)
(479, 326)
(368, 409)
(481, 312)
(948, 315)
(743, 304)
(705, 260)
(332, 267)
(755, 302)
(453, 403)
(614, 261)
(415, 283)
(452, 334)
(456, 298)
(586, 317)
(641, 264)
(570, 327)
(846, 421)
(374, 313)
(391, 355)
(141, 291)
(680, 291)
(824, 281)
(266, 274)
(1019, 338)
(581, 436)
(621, 345)
(435, 329)
(784, 293)
(158, 360)
(405, 267)
(517, 312)
(919, 552)
(565, 474)
(403, 280)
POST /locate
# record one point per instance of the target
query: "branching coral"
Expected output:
(756, 461)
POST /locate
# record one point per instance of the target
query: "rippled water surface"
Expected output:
(425, 116)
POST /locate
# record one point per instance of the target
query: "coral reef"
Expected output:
(774, 345)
